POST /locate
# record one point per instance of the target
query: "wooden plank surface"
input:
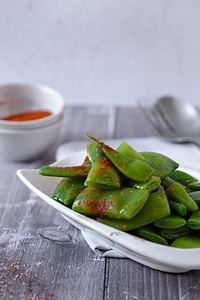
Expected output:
(43, 257)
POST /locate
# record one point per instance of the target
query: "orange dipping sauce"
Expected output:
(28, 116)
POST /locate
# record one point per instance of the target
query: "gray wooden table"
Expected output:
(35, 266)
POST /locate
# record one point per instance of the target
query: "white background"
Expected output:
(110, 52)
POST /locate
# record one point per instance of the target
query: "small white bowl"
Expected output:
(16, 98)
(28, 144)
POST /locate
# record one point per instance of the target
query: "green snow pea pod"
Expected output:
(156, 207)
(196, 196)
(151, 184)
(94, 152)
(178, 208)
(194, 220)
(68, 189)
(194, 186)
(182, 177)
(172, 234)
(186, 242)
(103, 174)
(149, 233)
(178, 193)
(170, 222)
(126, 149)
(72, 171)
(162, 164)
(123, 203)
(134, 169)
(167, 181)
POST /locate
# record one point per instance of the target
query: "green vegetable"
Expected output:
(68, 189)
(151, 184)
(126, 149)
(134, 169)
(149, 233)
(172, 234)
(170, 222)
(162, 164)
(73, 171)
(196, 196)
(167, 181)
(103, 174)
(182, 177)
(194, 221)
(156, 207)
(195, 186)
(122, 203)
(142, 193)
(186, 242)
(178, 208)
(177, 193)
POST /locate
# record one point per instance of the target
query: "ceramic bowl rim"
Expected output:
(38, 122)
(32, 130)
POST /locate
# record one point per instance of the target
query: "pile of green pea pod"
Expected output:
(142, 193)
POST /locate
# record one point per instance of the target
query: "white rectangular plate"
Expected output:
(159, 257)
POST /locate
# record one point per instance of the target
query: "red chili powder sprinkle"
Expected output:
(99, 208)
